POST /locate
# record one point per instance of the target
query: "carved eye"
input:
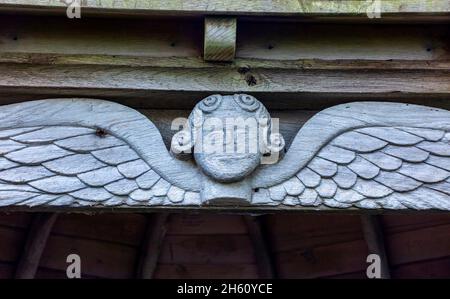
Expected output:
(210, 103)
(247, 102)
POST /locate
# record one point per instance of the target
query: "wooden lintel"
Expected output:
(151, 245)
(373, 234)
(220, 39)
(260, 246)
(39, 232)
(277, 8)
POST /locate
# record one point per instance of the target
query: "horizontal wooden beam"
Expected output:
(301, 8)
(185, 85)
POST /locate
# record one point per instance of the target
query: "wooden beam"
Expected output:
(220, 39)
(261, 247)
(373, 234)
(299, 8)
(151, 245)
(38, 234)
(185, 85)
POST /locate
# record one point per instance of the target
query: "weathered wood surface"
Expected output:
(325, 246)
(220, 39)
(308, 66)
(418, 245)
(302, 8)
(36, 242)
(375, 156)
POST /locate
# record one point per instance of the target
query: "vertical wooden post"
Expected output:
(151, 245)
(260, 247)
(373, 235)
(37, 237)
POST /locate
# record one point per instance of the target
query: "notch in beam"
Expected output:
(220, 39)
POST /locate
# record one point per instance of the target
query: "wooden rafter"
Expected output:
(39, 232)
(373, 234)
(151, 245)
(261, 247)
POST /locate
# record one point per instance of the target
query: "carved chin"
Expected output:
(228, 167)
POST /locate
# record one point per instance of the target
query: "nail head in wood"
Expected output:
(220, 39)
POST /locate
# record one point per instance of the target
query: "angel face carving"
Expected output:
(230, 136)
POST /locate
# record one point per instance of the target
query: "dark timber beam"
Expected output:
(38, 234)
(260, 246)
(151, 245)
(373, 234)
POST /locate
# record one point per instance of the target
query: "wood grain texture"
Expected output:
(219, 43)
(36, 242)
(185, 86)
(302, 8)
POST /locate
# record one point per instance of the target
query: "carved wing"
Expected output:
(84, 152)
(365, 155)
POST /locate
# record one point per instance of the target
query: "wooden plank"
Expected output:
(439, 268)
(15, 220)
(205, 224)
(12, 241)
(120, 82)
(261, 247)
(408, 247)
(373, 234)
(120, 228)
(291, 232)
(6, 270)
(99, 259)
(202, 271)
(303, 8)
(220, 39)
(321, 261)
(403, 223)
(40, 229)
(207, 249)
(350, 257)
(151, 245)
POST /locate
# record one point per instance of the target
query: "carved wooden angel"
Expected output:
(365, 155)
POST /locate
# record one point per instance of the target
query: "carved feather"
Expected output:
(78, 153)
(373, 161)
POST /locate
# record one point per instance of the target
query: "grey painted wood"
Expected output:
(381, 156)
(325, 8)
